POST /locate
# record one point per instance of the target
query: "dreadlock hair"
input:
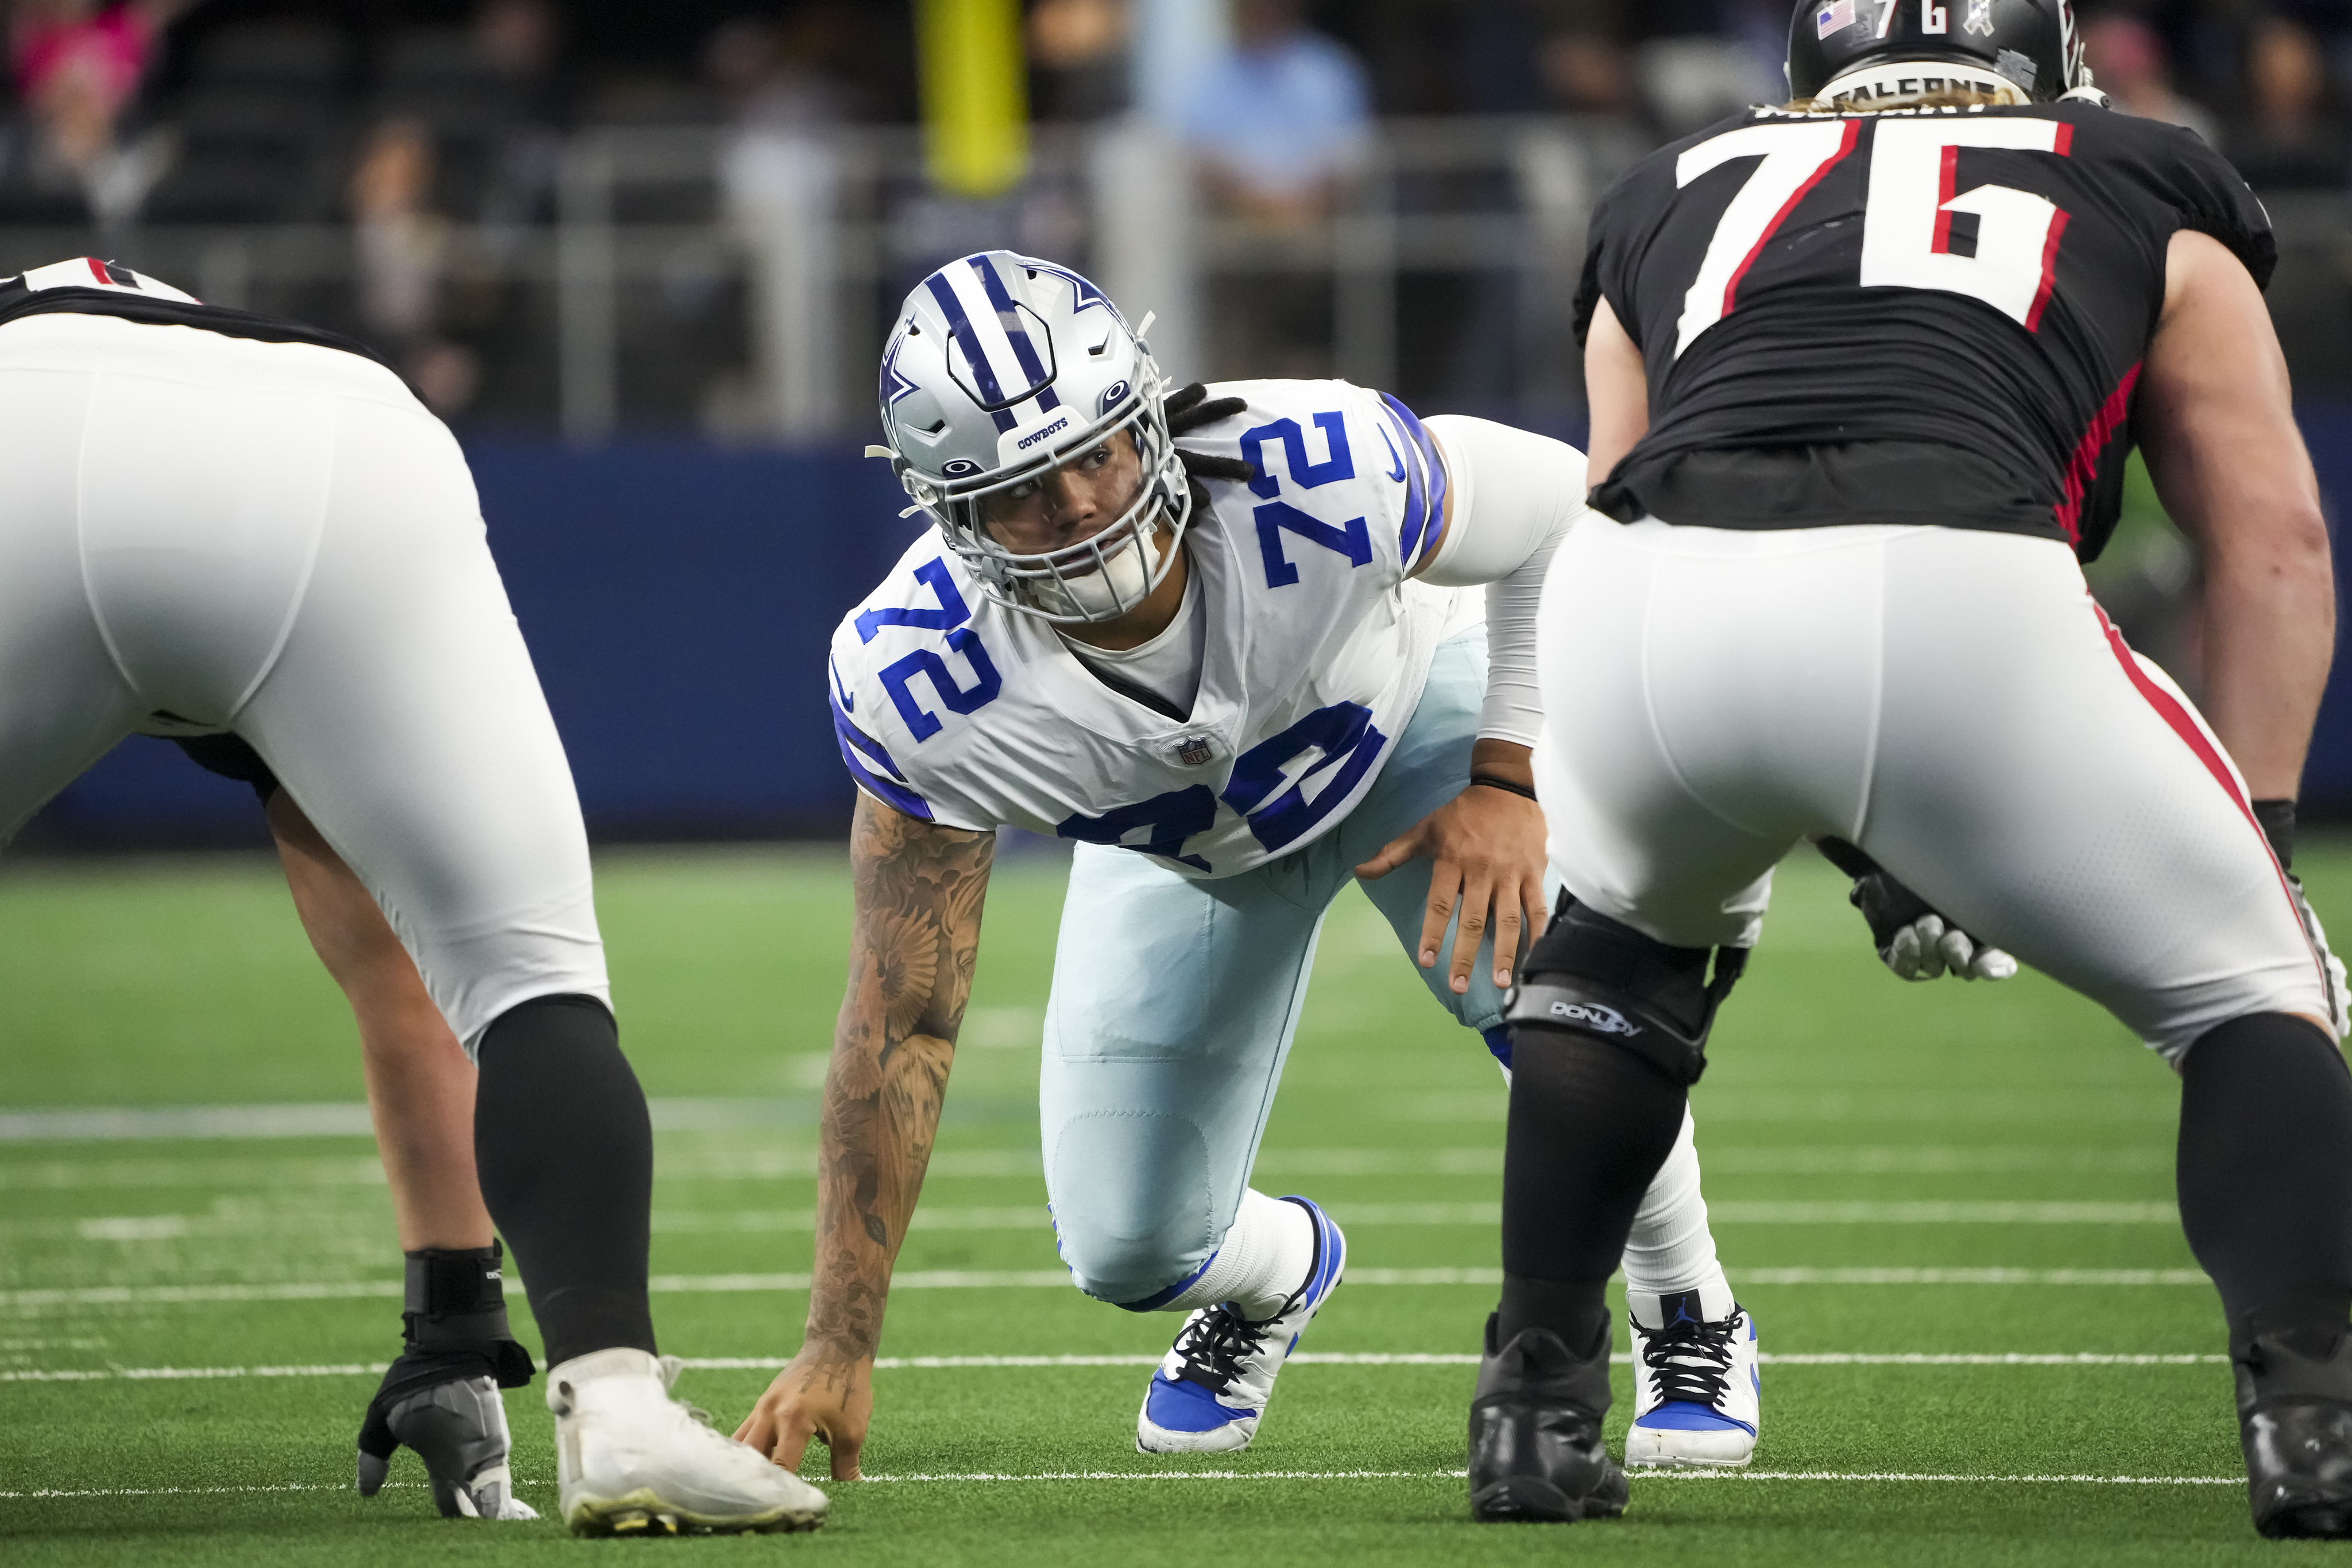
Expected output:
(1192, 409)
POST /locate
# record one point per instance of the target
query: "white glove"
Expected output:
(1927, 949)
(1912, 938)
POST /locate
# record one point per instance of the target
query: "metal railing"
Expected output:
(737, 283)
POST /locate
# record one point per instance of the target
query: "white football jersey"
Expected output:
(956, 710)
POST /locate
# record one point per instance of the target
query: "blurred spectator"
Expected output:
(1077, 49)
(780, 176)
(1703, 60)
(2127, 58)
(401, 249)
(1587, 73)
(2291, 137)
(519, 39)
(518, 34)
(77, 66)
(782, 75)
(1277, 122)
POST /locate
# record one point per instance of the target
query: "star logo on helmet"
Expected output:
(1088, 295)
(896, 388)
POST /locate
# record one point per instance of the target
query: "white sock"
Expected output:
(1262, 1261)
(1671, 1248)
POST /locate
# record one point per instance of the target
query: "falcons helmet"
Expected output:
(2034, 45)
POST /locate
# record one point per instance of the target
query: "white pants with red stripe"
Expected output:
(1950, 700)
(202, 533)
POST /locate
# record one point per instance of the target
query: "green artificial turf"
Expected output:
(1854, 1131)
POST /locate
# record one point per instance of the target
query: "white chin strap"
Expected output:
(1891, 84)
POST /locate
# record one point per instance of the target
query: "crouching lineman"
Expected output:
(1863, 373)
(215, 525)
(1235, 675)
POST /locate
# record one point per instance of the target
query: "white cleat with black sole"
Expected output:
(631, 1460)
(1211, 1389)
(1697, 1400)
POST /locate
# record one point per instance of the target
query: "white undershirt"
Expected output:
(1168, 666)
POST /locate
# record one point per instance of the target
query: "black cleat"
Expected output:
(2294, 1417)
(1534, 1431)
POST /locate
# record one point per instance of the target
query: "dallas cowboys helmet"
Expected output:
(1001, 368)
(2033, 44)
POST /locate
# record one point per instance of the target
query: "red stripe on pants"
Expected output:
(2185, 726)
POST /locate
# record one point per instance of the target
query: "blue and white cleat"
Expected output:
(1698, 1397)
(1212, 1386)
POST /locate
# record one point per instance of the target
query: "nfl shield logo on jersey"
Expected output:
(1194, 750)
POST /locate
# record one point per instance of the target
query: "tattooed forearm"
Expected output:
(919, 890)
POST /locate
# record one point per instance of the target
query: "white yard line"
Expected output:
(990, 1363)
(1640, 1478)
(250, 1219)
(705, 1115)
(68, 1297)
(2110, 1277)
(1847, 1477)
(341, 1119)
(948, 1216)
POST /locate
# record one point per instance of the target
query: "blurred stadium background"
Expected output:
(639, 253)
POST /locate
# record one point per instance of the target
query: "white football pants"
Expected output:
(1175, 1001)
(1950, 700)
(200, 533)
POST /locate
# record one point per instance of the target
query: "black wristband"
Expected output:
(2277, 820)
(455, 1297)
(455, 1315)
(1526, 791)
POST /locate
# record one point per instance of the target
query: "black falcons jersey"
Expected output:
(89, 286)
(1929, 316)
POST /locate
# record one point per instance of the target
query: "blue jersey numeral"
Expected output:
(1171, 818)
(1349, 742)
(985, 683)
(951, 614)
(1350, 539)
(1279, 817)
(950, 617)
(1274, 518)
(1341, 465)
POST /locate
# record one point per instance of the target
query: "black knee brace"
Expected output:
(1591, 975)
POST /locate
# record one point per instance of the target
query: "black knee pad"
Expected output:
(1590, 975)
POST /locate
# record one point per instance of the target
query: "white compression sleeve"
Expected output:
(1671, 1248)
(1265, 1255)
(1515, 494)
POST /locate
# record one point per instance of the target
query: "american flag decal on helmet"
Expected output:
(1832, 17)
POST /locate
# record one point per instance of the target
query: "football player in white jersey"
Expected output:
(1235, 675)
(248, 535)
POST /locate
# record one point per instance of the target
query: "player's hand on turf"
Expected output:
(1913, 939)
(459, 1429)
(1485, 848)
(820, 1394)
